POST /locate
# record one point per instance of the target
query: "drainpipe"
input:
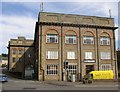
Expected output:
(62, 53)
(115, 56)
(97, 41)
(40, 52)
(80, 54)
(23, 75)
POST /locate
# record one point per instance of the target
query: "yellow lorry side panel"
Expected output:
(102, 74)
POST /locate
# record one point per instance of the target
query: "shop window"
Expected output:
(52, 69)
(72, 69)
(105, 67)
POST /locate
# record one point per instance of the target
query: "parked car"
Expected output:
(3, 78)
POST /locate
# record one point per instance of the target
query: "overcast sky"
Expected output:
(18, 18)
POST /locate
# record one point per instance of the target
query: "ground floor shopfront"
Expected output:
(54, 72)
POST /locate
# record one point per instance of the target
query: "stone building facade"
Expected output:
(3, 60)
(67, 44)
(21, 57)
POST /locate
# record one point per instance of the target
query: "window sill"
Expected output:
(52, 59)
(70, 44)
(88, 44)
(104, 45)
(71, 59)
(51, 43)
(106, 59)
(89, 61)
(52, 74)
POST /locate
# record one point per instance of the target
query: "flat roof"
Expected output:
(75, 19)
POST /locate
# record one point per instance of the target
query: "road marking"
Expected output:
(29, 88)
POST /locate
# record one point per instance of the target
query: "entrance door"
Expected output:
(89, 68)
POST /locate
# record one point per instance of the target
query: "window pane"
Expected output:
(105, 67)
(70, 55)
(52, 70)
(52, 55)
(88, 40)
(105, 55)
(72, 69)
(13, 59)
(14, 51)
(52, 38)
(20, 52)
(88, 55)
(70, 39)
(105, 41)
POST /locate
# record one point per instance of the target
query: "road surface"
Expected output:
(18, 84)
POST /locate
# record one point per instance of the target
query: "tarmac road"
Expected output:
(36, 85)
(18, 84)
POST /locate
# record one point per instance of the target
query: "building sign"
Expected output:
(89, 61)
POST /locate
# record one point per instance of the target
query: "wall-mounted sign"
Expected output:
(89, 61)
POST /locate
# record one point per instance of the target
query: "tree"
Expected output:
(4, 55)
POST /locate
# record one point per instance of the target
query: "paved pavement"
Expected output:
(63, 83)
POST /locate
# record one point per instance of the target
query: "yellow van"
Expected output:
(108, 74)
(98, 75)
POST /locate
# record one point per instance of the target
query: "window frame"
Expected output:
(13, 59)
(52, 69)
(53, 56)
(71, 55)
(73, 37)
(49, 38)
(72, 68)
(104, 38)
(14, 51)
(20, 52)
(105, 55)
(89, 54)
(16, 59)
(106, 67)
(85, 38)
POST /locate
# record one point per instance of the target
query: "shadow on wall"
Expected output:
(24, 64)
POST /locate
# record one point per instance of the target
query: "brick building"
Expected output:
(21, 57)
(3, 60)
(83, 43)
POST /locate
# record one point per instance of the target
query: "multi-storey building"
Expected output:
(21, 57)
(83, 43)
(3, 60)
